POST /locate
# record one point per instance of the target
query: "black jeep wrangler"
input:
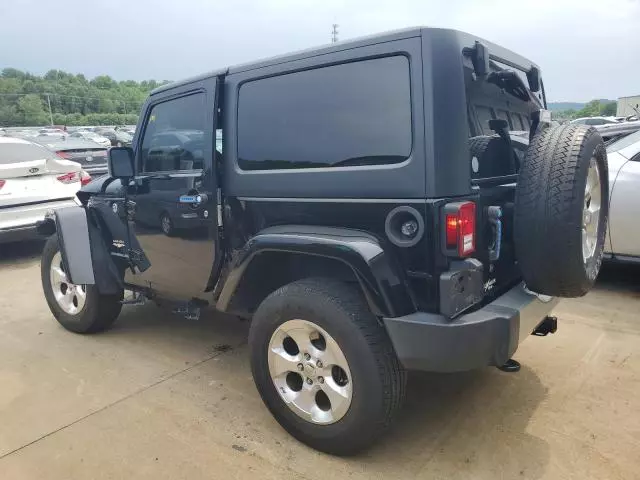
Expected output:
(392, 203)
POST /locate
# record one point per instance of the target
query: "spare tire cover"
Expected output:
(562, 209)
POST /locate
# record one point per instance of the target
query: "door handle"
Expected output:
(195, 199)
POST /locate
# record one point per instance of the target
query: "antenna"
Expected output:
(334, 33)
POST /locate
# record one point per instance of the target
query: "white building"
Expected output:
(628, 106)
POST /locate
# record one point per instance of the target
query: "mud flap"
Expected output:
(85, 236)
(75, 246)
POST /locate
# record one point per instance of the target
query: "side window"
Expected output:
(350, 114)
(173, 135)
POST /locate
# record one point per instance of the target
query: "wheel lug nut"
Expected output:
(319, 364)
(300, 367)
(307, 356)
(321, 379)
(309, 381)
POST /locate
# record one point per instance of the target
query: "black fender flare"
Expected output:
(380, 277)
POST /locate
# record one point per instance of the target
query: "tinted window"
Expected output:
(343, 115)
(173, 137)
(22, 152)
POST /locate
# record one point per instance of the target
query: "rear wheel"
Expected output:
(78, 308)
(324, 366)
(166, 224)
(562, 210)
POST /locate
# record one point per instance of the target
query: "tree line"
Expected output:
(62, 98)
(595, 108)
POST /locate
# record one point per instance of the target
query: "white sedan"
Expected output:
(33, 180)
(623, 242)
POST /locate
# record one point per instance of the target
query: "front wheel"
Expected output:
(324, 365)
(78, 308)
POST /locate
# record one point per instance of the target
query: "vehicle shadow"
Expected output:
(467, 425)
(20, 252)
(619, 277)
(462, 425)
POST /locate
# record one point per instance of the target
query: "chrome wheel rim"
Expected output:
(70, 297)
(310, 372)
(166, 224)
(591, 211)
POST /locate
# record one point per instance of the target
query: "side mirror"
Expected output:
(120, 162)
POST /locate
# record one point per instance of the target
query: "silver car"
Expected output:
(33, 180)
(623, 242)
(92, 136)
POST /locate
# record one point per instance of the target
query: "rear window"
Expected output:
(624, 142)
(22, 152)
(351, 114)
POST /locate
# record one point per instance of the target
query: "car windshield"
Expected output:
(22, 152)
(624, 142)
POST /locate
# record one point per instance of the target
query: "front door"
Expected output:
(174, 216)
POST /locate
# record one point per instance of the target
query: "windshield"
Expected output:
(624, 142)
(22, 152)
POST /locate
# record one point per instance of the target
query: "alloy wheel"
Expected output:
(310, 372)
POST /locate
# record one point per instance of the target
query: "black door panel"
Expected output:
(174, 214)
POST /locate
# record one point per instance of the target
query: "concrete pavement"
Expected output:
(160, 397)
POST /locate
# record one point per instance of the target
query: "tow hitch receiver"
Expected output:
(548, 325)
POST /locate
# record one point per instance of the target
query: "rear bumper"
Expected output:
(19, 222)
(488, 336)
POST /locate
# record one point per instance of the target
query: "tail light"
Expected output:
(460, 229)
(2, 182)
(64, 155)
(84, 178)
(71, 177)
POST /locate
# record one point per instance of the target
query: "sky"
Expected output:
(586, 49)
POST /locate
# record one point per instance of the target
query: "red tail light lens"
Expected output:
(64, 155)
(71, 177)
(84, 178)
(460, 228)
(2, 182)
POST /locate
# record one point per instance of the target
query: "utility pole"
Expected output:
(334, 33)
(50, 114)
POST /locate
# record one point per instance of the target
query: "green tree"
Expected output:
(73, 97)
(32, 111)
(609, 109)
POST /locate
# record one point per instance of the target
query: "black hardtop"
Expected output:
(437, 35)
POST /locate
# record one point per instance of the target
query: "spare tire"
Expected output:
(562, 208)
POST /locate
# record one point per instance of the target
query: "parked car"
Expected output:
(130, 129)
(33, 180)
(623, 240)
(612, 132)
(116, 137)
(92, 136)
(593, 121)
(90, 155)
(369, 215)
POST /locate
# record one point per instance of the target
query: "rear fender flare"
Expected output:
(381, 279)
